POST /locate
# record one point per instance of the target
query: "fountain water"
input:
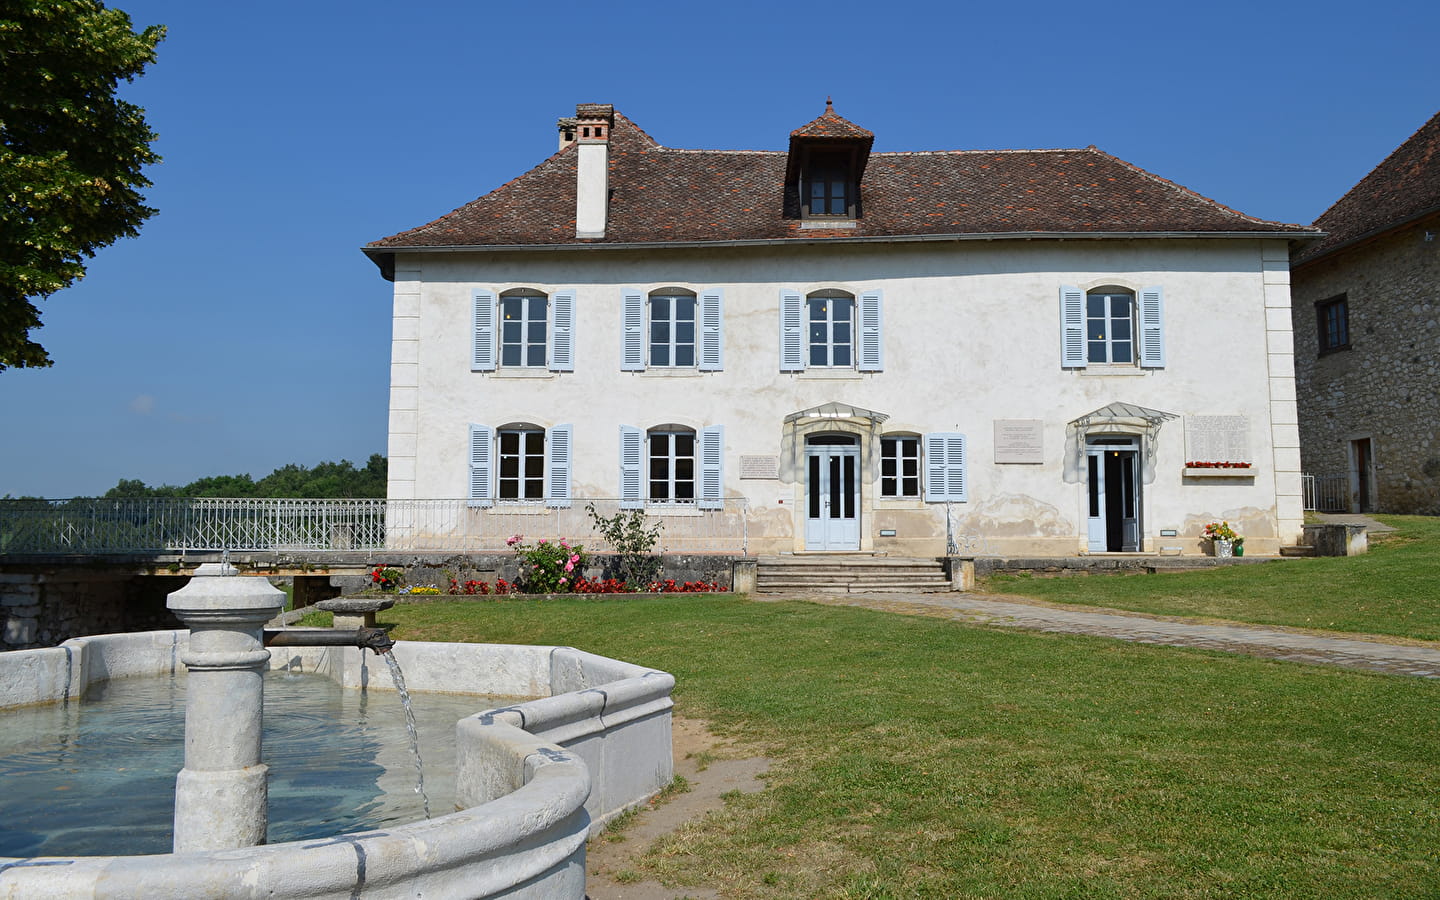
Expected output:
(532, 779)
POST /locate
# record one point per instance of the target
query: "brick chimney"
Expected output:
(592, 125)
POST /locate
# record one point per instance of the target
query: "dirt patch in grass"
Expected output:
(706, 768)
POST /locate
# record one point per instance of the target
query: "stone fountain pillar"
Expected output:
(221, 794)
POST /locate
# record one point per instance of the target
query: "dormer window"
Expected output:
(828, 189)
(825, 168)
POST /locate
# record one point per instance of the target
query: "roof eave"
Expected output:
(383, 256)
(1372, 234)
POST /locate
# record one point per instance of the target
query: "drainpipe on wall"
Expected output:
(593, 122)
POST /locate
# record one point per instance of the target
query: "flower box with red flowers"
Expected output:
(1219, 469)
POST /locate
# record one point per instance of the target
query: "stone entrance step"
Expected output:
(849, 574)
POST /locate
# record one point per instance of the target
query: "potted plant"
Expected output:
(1223, 538)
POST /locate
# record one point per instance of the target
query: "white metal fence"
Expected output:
(1327, 493)
(149, 525)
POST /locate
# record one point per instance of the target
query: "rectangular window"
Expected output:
(522, 330)
(900, 467)
(522, 465)
(1109, 327)
(672, 466)
(1333, 324)
(832, 333)
(672, 330)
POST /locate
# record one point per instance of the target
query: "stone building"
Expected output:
(1367, 337)
(1038, 352)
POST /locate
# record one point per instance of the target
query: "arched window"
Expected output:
(521, 457)
(672, 329)
(900, 466)
(671, 474)
(522, 328)
(831, 332)
(1110, 326)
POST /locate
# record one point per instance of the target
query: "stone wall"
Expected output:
(43, 607)
(1386, 387)
(423, 569)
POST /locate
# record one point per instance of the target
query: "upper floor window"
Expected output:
(522, 329)
(829, 329)
(900, 467)
(673, 328)
(518, 463)
(1112, 326)
(523, 316)
(831, 317)
(1332, 320)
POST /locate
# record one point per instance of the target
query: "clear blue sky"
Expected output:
(243, 329)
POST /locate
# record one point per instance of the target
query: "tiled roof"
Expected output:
(659, 194)
(831, 125)
(1404, 187)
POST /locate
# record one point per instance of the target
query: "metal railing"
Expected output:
(1327, 493)
(154, 525)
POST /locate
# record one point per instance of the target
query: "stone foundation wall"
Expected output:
(421, 569)
(47, 607)
(1386, 387)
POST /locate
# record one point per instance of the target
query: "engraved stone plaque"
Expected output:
(1019, 440)
(1217, 439)
(766, 467)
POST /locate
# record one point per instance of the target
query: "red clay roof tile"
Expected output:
(1404, 187)
(660, 194)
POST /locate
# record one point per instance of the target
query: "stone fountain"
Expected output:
(533, 780)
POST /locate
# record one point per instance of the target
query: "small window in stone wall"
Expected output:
(1332, 321)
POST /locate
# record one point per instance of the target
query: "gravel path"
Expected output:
(1376, 654)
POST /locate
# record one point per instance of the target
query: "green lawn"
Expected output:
(1394, 589)
(925, 758)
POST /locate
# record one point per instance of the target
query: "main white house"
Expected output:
(1036, 352)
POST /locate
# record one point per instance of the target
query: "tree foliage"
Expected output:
(71, 152)
(325, 480)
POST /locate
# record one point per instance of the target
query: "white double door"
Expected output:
(1113, 495)
(832, 493)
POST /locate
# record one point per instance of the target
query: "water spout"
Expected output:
(375, 639)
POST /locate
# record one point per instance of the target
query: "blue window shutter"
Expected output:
(483, 331)
(712, 467)
(562, 331)
(632, 453)
(792, 333)
(1072, 327)
(1152, 327)
(945, 475)
(632, 331)
(482, 451)
(558, 454)
(872, 345)
(712, 330)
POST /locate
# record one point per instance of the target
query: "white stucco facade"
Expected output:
(970, 335)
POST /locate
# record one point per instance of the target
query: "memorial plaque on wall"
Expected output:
(766, 467)
(1217, 439)
(1019, 440)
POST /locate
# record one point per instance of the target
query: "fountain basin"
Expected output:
(533, 780)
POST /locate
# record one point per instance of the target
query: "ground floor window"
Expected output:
(900, 467)
(672, 466)
(522, 465)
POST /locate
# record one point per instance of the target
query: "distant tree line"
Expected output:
(326, 480)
